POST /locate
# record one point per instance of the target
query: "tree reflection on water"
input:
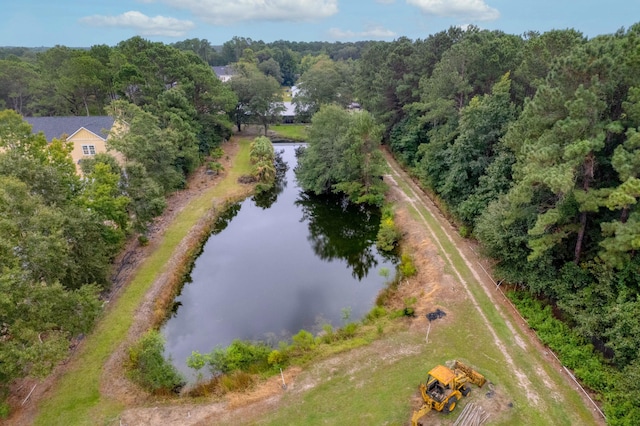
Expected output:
(266, 199)
(341, 230)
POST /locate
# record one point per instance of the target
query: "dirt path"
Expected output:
(478, 266)
(114, 384)
(416, 200)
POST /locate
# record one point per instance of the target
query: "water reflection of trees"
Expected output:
(223, 219)
(266, 199)
(340, 230)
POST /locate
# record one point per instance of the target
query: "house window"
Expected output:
(89, 149)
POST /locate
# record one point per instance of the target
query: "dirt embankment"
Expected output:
(25, 394)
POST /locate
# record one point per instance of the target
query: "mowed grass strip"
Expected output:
(294, 132)
(76, 398)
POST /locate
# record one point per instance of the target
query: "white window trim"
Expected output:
(88, 149)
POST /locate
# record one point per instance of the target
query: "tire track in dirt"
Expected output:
(524, 338)
(418, 202)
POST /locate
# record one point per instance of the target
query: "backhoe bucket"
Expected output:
(474, 377)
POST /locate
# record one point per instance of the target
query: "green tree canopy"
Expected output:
(259, 96)
(343, 156)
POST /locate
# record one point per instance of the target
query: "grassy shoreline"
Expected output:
(76, 399)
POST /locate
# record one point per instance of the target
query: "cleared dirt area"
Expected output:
(437, 285)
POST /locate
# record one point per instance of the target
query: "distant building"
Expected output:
(289, 113)
(88, 134)
(224, 73)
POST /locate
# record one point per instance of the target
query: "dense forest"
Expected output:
(529, 142)
(60, 232)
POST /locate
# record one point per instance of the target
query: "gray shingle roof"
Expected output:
(55, 127)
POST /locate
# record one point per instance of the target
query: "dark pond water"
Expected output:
(276, 265)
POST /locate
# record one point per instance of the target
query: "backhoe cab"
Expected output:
(445, 387)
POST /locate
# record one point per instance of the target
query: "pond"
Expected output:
(275, 265)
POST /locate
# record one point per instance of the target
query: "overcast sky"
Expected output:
(76, 23)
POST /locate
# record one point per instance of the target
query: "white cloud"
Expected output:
(468, 9)
(225, 12)
(143, 24)
(372, 32)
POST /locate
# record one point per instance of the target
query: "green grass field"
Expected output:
(295, 132)
(286, 94)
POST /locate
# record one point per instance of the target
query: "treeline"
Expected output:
(287, 55)
(531, 143)
(60, 232)
(285, 60)
(55, 251)
(62, 81)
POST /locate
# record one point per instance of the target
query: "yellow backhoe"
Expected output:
(445, 387)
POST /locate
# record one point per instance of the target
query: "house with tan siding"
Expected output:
(89, 134)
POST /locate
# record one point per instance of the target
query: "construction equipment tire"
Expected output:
(465, 390)
(450, 405)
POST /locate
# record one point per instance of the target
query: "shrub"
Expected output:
(375, 313)
(303, 340)
(148, 367)
(240, 355)
(464, 231)
(4, 410)
(388, 233)
(406, 267)
(197, 361)
(409, 307)
(216, 153)
(276, 358)
(215, 166)
(348, 331)
(263, 187)
(328, 334)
